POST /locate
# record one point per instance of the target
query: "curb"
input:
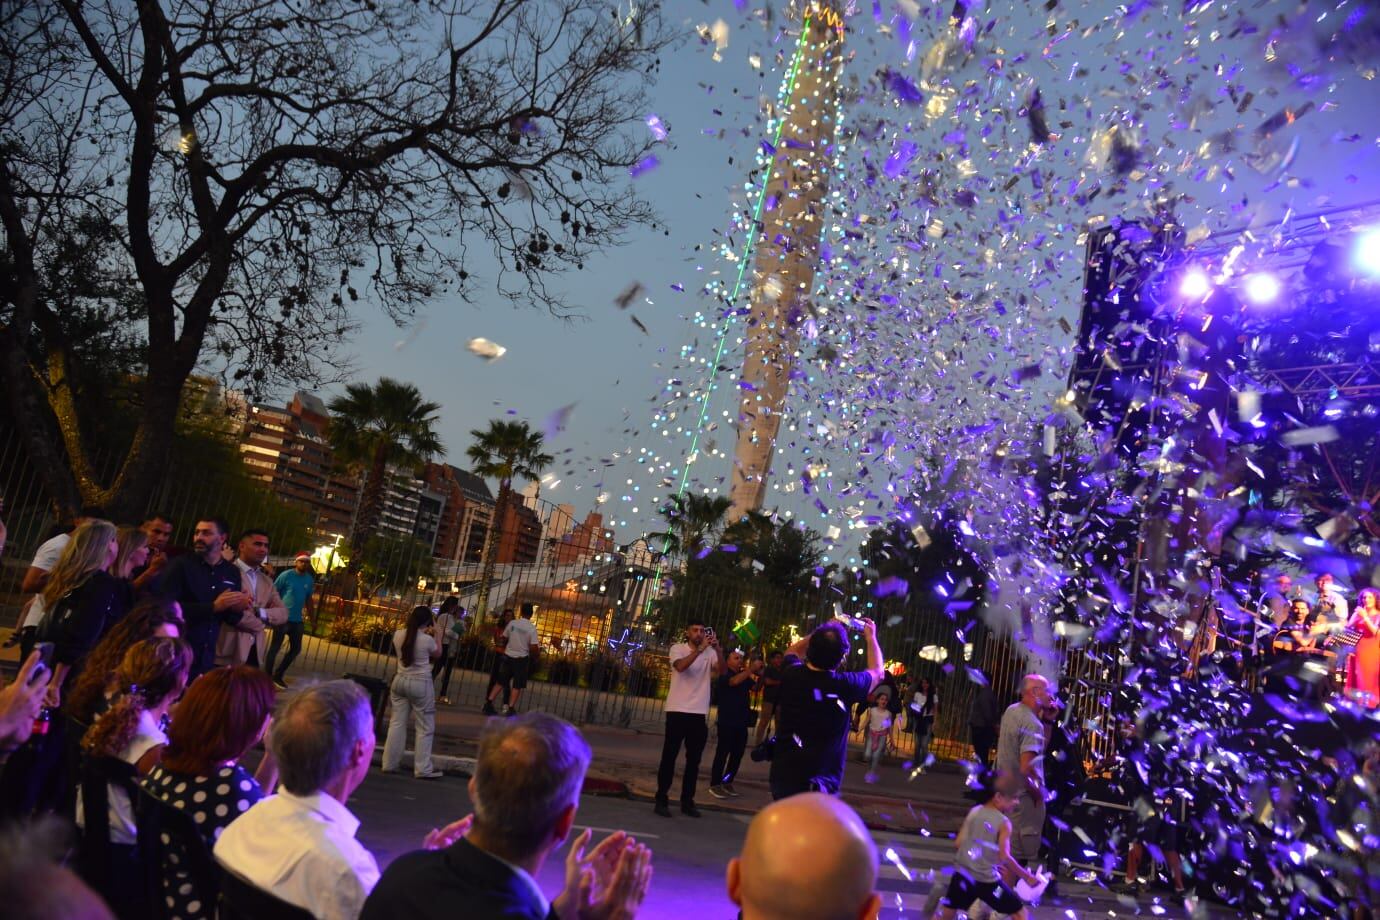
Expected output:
(718, 806)
(452, 765)
(599, 785)
(446, 763)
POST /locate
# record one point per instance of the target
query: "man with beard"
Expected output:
(158, 528)
(208, 588)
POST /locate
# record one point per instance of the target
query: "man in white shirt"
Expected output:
(299, 845)
(1330, 615)
(521, 638)
(50, 551)
(1330, 606)
(694, 664)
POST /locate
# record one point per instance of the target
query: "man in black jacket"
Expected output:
(525, 789)
(208, 588)
(812, 731)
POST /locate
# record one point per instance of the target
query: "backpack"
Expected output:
(56, 617)
(55, 620)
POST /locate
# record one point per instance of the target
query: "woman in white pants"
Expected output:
(412, 693)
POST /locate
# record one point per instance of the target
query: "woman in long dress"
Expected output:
(1363, 664)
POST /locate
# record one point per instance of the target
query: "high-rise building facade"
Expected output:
(468, 512)
(587, 539)
(286, 448)
(411, 508)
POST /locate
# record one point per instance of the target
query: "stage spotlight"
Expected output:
(1195, 284)
(1262, 288)
(1367, 254)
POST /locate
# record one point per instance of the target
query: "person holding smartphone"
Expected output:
(22, 700)
(816, 695)
(694, 664)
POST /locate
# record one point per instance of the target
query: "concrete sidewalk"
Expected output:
(625, 763)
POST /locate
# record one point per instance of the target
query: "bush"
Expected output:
(563, 670)
(372, 630)
(474, 654)
(605, 672)
(644, 683)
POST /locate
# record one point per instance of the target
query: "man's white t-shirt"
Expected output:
(46, 559)
(50, 552)
(690, 688)
(521, 636)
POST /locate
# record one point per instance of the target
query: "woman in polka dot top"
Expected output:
(224, 713)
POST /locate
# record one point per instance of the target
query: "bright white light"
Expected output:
(1195, 284)
(1262, 288)
(1367, 255)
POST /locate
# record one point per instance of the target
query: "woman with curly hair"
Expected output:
(153, 617)
(224, 713)
(151, 677)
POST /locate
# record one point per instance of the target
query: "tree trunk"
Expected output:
(370, 505)
(491, 541)
(35, 423)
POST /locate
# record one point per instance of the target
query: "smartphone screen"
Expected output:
(45, 651)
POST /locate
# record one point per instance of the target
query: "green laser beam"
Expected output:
(732, 300)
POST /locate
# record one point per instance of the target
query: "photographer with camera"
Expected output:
(812, 715)
(694, 663)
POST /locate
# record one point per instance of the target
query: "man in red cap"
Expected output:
(295, 586)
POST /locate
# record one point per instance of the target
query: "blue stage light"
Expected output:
(1261, 288)
(1367, 253)
(1195, 284)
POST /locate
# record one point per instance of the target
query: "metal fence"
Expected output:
(605, 623)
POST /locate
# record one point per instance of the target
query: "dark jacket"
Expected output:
(195, 585)
(460, 881)
(82, 617)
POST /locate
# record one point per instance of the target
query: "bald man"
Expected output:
(806, 857)
(1021, 752)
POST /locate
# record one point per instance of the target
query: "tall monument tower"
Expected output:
(788, 229)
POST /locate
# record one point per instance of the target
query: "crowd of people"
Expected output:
(1322, 628)
(147, 692)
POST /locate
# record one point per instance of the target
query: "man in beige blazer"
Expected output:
(244, 642)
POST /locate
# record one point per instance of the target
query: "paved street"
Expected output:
(690, 854)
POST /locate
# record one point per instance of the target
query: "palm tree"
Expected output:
(692, 522)
(504, 451)
(371, 428)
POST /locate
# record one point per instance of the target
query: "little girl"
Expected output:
(877, 725)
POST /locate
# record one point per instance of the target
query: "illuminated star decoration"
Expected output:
(625, 646)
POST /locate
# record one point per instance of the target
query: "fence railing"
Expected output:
(600, 660)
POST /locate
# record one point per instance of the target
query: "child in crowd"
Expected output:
(877, 726)
(984, 853)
